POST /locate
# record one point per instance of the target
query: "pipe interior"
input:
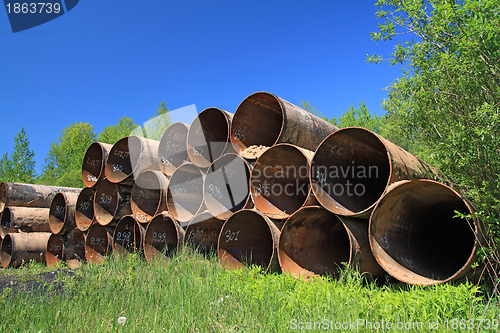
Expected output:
(57, 212)
(55, 250)
(161, 237)
(106, 201)
(92, 168)
(208, 136)
(96, 243)
(172, 151)
(123, 158)
(248, 238)
(257, 121)
(315, 240)
(127, 236)
(417, 229)
(146, 194)
(6, 251)
(280, 177)
(352, 166)
(185, 192)
(226, 185)
(203, 234)
(84, 213)
(5, 220)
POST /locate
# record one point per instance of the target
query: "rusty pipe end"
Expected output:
(164, 237)
(111, 201)
(84, 214)
(5, 222)
(6, 251)
(98, 243)
(128, 236)
(185, 192)
(202, 233)
(55, 250)
(148, 196)
(172, 150)
(58, 213)
(94, 162)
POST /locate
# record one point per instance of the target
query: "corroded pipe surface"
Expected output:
(185, 193)
(202, 233)
(111, 202)
(149, 195)
(55, 250)
(315, 241)
(129, 157)
(279, 182)
(74, 248)
(263, 120)
(353, 167)
(29, 195)
(128, 236)
(226, 186)
(98, 243)
(62, 213)
(84, 214)
(93, 163)
(172, 150)
(249, 238)
(164, 237)
(19, 248)
(24, 219)
(208, 136)
(415, 237)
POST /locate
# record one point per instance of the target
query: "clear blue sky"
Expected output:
(107, 58)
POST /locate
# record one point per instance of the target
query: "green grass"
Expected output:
(191, 294)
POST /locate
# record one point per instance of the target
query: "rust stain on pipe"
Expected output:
(226, 186)
(353, 167)
(164, 237)
(98, 243)
(415, 237)
(149, 195)
(29, 195)
(263, 119)
(111, 202)
(62, 212)
(93, 163)
(249, 238)
(279, 181)
(129, 157)
(24, 219)
(172, 150)
(84, 214)
(202, 233)
(208, 136)
(19, 248)
(185, 193)
(128, 236)
(55, 250)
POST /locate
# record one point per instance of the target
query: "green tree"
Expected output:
(64, 159)
(113, 133)
(20, 167)
(153, 128)
(446, 104)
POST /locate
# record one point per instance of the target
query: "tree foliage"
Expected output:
(153, 128)
(113, 133)
(445, 107)
(20, 167)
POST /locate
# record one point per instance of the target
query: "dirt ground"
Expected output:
(42, 283)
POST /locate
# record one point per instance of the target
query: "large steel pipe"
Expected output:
(315, 241)
(226, 186)
(416, 238)
(149, 195)
(129, 157)
(84, 214)
(98, 243)
(202, 233)
(93, 163)
(62, 213)
(263, 120)
(208, 136)
(74, 248)
(54, 252)
(185, 193)
(24, 219)
(28, 195)
(353, 167)
(249, 238)
(164, 237)
(19, 248)
(279, 182)
(172, 150)
(128, 236)
(111, 202)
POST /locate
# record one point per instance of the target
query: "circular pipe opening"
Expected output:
(280, 181)
(93, 164)
(415, 237)
(5, 221)
(148, 195)
(247, 239)
(84, 213)
(208, 136)
(127, 237)
(226, 186)
(55, 250)
(123, 158)
(75, 249)
(314, 241)
(350, 171)
(6, 251)
(162, 237)
(202, 233)
(258, 121)
(172, 150)
(97, 243)
(57, 213)
(185, 192)
(106, 202)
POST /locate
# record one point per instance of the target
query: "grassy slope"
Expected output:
(191, 294)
